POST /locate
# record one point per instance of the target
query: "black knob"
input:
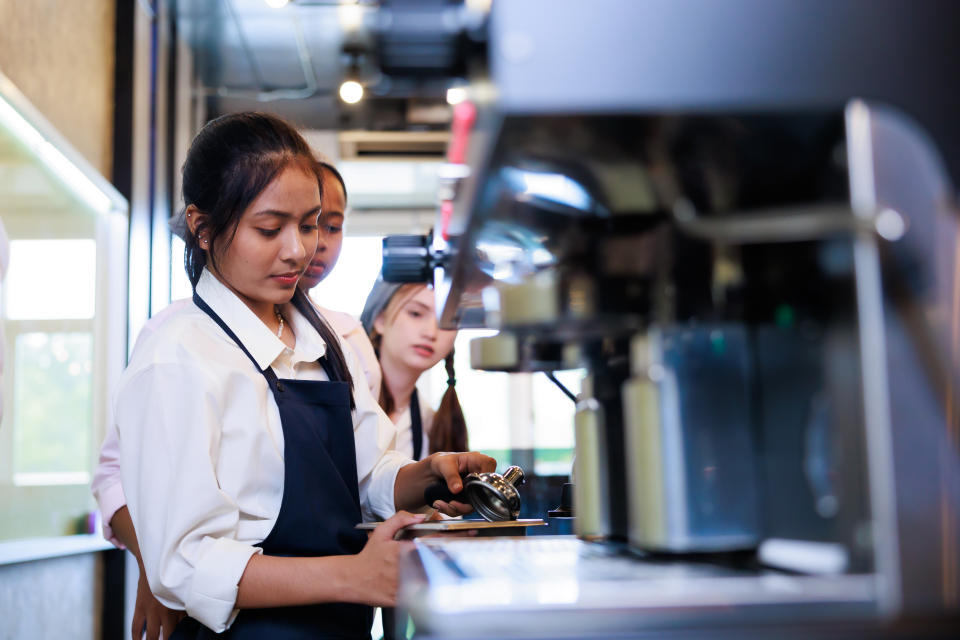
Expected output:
(407, 259)
(565, 510)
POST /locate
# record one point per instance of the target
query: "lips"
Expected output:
(287, 279)
(316, 269)
(423, 350)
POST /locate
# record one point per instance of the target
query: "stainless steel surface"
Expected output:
(458, 524)
(562, 587)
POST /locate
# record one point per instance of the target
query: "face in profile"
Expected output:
(411, 338)
(275, 239)
(330, 239)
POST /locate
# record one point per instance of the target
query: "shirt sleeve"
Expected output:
(169, 424)
(106, 485)
(377, 460)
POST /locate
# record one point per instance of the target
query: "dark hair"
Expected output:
(230, 162)
(327, 167)
(449, 429)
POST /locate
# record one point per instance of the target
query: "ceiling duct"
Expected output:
(393, 145)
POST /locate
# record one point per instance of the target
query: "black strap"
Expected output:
(417, 424)
(268, 373)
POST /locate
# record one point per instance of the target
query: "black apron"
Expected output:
(319, 509)
(416, 425)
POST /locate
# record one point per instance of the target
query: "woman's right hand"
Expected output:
(376, 576)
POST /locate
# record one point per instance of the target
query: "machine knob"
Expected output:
(407, 258)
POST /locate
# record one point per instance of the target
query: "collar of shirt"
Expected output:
(262, 343)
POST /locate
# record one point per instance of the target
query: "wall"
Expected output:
(50, 598)
(60, 54)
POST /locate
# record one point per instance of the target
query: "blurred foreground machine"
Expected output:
(767, 300)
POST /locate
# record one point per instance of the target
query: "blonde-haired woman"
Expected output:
(401, 321)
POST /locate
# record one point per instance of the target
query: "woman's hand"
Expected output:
(375, 576)
(450, 467)
(150, 613)
(413, 479)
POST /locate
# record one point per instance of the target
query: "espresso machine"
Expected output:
(763, 291)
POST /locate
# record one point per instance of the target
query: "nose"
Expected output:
(294, 248)
(430, 326)
(321, 242)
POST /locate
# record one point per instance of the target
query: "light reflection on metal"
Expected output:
(509, 252)
(550, 186)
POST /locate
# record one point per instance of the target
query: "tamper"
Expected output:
(493, 496)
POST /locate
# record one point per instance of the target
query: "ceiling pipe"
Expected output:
(309, 89)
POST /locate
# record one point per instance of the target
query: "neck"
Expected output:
(400, 380)
(261, 308)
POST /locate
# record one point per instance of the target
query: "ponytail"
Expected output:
(449, 429)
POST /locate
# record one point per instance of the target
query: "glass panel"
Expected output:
(179, 282)
(553, 422)
(357, 269)
(51, 279)
(52, 406)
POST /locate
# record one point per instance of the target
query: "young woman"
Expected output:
(149, 614)
(328, 250)
(401, 321)
(247, 453)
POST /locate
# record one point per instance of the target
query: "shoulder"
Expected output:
(184, 336)
(343, 323)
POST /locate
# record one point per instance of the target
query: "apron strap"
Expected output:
(416, 424)
(268, 373)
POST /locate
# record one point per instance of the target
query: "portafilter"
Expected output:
(493, 496)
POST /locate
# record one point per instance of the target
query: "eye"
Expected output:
(414, 313)
(269, 233)
(331, 228)
(308, 228)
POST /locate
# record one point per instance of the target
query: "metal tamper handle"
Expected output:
(493, 496)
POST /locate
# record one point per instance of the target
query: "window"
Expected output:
(62, 305)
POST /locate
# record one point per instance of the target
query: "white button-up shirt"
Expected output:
(201, 447)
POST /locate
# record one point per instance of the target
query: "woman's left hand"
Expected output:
(450, 467)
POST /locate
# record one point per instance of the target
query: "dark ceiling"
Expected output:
(292, 60)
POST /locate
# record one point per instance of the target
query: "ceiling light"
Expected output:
(456, 95)
(351, 92)
(350, 16)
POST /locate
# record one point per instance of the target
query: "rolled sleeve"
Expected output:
(376, 441)
(382, 480)
(110, 499)
(212, 597)
(106, 485)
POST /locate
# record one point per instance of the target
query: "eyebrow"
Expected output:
(419, 304)
(284, 214)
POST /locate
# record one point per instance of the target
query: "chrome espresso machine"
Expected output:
(764, 289)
